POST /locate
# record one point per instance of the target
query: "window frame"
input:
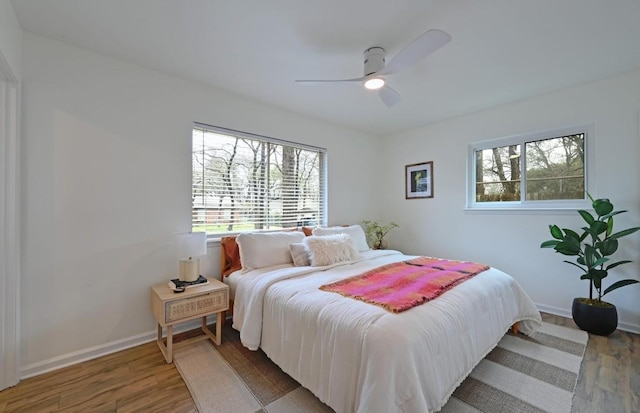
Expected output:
(322, 164)
(523, 204)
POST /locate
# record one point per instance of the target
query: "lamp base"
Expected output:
(189, 270)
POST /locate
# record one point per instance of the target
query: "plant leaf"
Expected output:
(597, 274)
(619, 284)
(568, 247)
(602, 207)
(605, 217)
(600, 261)
(596, 254)
(598, 227)
(575, 265)
(624, 233)
(594, 236)
(586, 216)
(549, 244)
(570, 233)
(589, 256)
(615, 264)
(597, 282)
(556, 232)
(608, 246)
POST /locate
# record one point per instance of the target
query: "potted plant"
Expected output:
(592, 249)
(376, 233)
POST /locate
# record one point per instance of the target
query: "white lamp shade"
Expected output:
(191, 244)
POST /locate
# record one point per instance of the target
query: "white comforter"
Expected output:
(358, 357)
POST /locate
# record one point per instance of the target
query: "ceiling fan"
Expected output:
(375, 70)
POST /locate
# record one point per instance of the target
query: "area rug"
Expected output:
(522, 374)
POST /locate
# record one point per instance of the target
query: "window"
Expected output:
(244, 182)
(538, 170)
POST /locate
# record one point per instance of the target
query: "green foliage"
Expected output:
(593, 247)
(376, 232)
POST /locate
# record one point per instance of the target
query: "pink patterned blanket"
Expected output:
(402, 285)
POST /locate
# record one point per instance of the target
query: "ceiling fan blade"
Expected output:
(389, 96)
(359, 79)
(427, 43)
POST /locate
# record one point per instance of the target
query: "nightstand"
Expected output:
(171, 308)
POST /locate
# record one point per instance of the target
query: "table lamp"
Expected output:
(191, 245)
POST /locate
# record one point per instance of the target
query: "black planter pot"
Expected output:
(596, 319)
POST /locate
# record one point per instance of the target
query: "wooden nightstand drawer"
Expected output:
(194, 306)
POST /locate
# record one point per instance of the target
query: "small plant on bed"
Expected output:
(376, 232)
(592, 249)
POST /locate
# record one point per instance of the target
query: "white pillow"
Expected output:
(330, 249)
(354, 231)
(299, 254)
(266, 249)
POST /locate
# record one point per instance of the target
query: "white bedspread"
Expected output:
(358, 357)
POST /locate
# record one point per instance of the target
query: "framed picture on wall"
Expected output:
(419, 180)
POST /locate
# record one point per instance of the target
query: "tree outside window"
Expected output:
(550, 169)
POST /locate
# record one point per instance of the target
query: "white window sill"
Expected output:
(530, 209)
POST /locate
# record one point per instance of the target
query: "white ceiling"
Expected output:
(502, 50)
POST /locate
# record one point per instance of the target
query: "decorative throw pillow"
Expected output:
(354, 231)
(308, 231)
(299, 254)
(266, 249)
(330, 249)
(231, 255)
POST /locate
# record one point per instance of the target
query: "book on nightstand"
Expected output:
(176, 283)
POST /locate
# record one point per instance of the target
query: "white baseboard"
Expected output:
(91, 353)
(631, 328)
(563, 312)
(566, 312)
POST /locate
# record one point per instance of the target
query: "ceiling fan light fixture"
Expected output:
(374, 83)
(376, 67)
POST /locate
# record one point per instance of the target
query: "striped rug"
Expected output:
(525, 374)
(522, 374)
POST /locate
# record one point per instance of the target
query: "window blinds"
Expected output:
(245, 182)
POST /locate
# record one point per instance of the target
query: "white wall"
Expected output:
(106, 181)
(10, 67)
(510, 241)
(10, 38)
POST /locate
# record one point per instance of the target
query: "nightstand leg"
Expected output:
(169, 355)
(218, 329)
(167, 350)
(217, 338)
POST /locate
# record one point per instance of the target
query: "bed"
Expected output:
(359, 357)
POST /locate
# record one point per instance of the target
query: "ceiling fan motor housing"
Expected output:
(373, 60)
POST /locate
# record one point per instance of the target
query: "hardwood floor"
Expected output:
(133, 380)
(609, 380)
(139, 380)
